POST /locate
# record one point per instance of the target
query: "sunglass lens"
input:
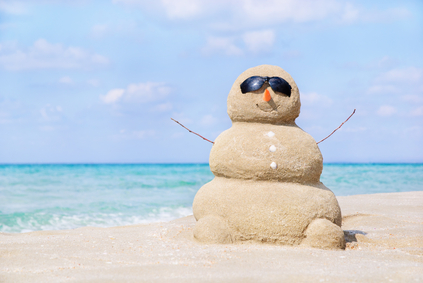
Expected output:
(252, 84)
(280, 85)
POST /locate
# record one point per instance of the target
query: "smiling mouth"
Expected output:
(267, 106)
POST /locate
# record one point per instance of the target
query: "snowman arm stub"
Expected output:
(192, 131)
(338, 127)
(316, 142)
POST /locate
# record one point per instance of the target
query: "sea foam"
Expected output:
(57, 197)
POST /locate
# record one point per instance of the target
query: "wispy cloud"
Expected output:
(45, 55)
(376, 89)
(112, 95)
(312, 98)
(163, 107)
(99, 30)
(388, 15)
(222, 45)
(417, 111)
(135, 134)
(208, 120)
(259, 41)
(182, 9)
(248, 14)
(137, 93)
(386, 110)
(403, 81)
(402, 75)
(12, 7)
(66, 80)
(51, 113)
(254, 11)
(93, 82)
(250, 42)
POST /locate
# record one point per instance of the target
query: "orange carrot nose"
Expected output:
(266, 96)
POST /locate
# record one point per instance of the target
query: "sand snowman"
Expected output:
(267, 172)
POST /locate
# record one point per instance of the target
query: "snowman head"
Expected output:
(264, 94)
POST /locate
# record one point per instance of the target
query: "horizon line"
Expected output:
(193, 163)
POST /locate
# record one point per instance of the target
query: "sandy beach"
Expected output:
(384, 244)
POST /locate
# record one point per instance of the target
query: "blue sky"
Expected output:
(98, 81)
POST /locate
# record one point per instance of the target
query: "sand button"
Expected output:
(270, 134)
(273, 165)
(272, 148)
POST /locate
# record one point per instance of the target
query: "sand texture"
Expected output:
(265, 211)
(242, 152)
(384, 244)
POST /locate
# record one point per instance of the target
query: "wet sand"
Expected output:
(384, 244)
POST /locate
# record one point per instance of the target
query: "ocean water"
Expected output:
(54, 197)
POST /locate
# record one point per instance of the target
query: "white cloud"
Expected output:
(353, 129)
(291, 54)
(350, 14)
(182, 9)
(376, 89)
(414, 98)
(386, 15)
(65, 80)
(248, 13)
(417, 112)
(386, 110)
(402, 75)
(12, 7)
(119, 28)
(93, 82)
(47, 128)
(146, 92)
(7, 46)
(407, 82)
(254, 41)
(208, 120)
(141, 134)
(413, 131)
(99, 30)
(137, 93)
(11, 111)
(164, 107)
(45, 55)
(99, 59)
(112, 96)
(287, 10)
(223, 45)
(384, 62)
(257, 41)
(313, 98)
(51, 113)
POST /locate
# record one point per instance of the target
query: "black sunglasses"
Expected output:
(256, 82)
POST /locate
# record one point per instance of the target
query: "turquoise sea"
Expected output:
(52, 197)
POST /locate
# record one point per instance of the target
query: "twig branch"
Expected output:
(337, 128)
(192, 131)
(213, 142)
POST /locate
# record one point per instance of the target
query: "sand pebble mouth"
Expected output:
(267, 106)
